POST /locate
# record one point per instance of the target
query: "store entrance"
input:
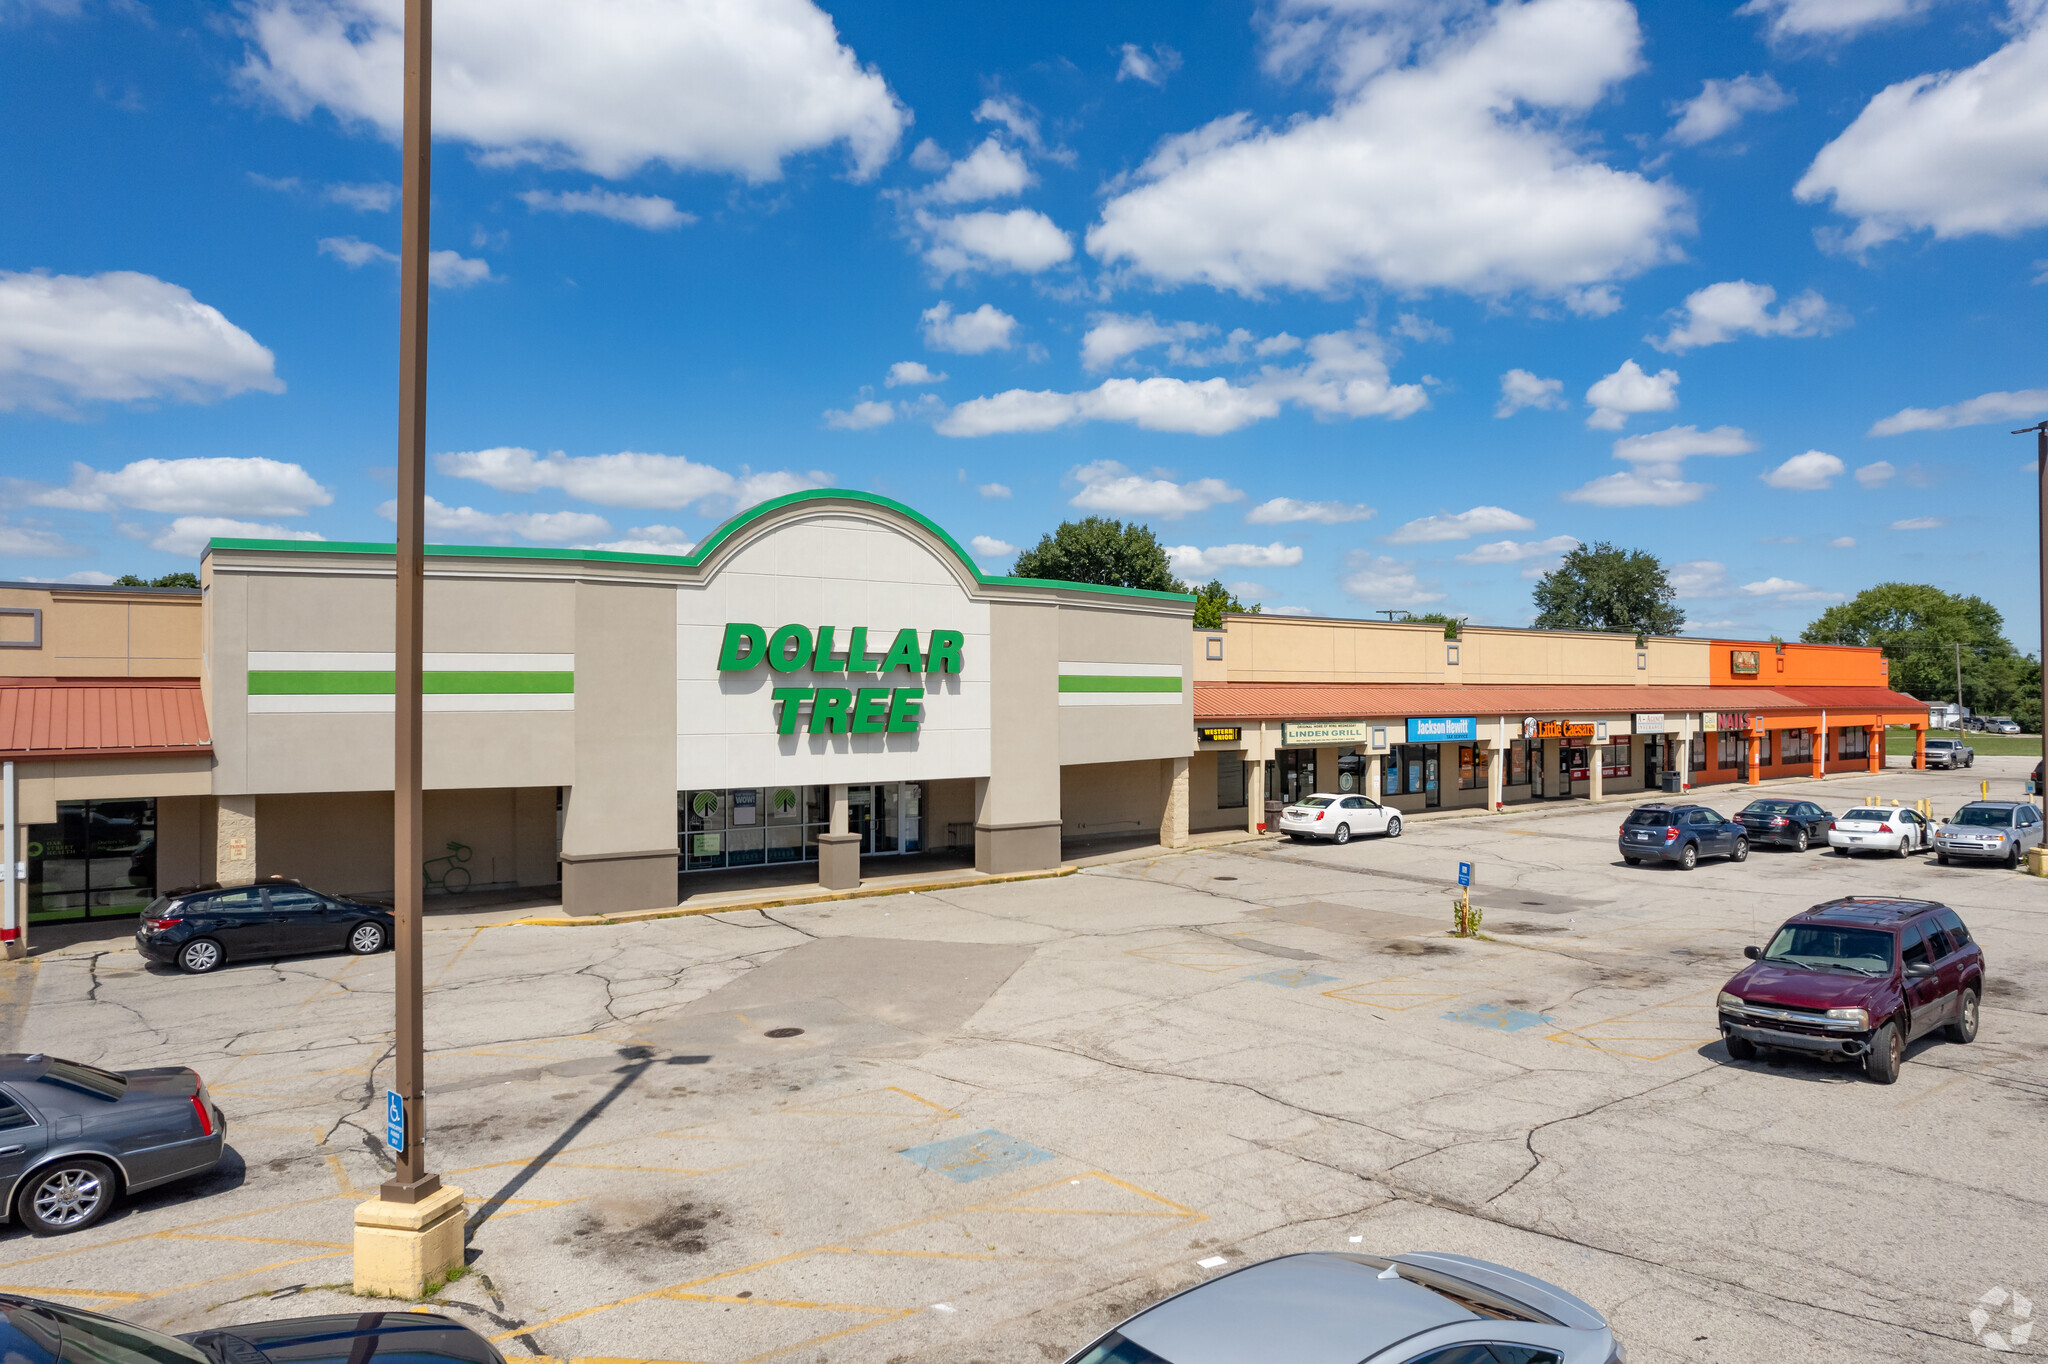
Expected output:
(751, 826)
(888, 817)
(1653, 764)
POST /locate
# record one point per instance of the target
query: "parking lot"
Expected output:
(1016, 1112)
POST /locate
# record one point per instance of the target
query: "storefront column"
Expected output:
(1374, 772)
(1684, 762)
(1920, 748)
(1596, 780)
(1254, 794)
(838, 851)
(1496, 773)
(1553, 779)
(1756, 756)
(234, 840)
(1873, 741)
(1173, 814)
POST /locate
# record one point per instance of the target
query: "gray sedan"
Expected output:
(1989, 830)
(74, 1138)
(1330, 1308)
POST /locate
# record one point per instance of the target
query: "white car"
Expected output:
(1894, 829)
(1338, 818)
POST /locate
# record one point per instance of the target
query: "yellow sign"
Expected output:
(1224, 734)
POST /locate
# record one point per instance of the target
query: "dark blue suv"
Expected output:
(1682, 834)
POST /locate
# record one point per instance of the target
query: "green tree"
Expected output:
(1098, 550)
(1215, 601)
(1450, 623)
(167, 580)
(1604, 588)
(1918, 627)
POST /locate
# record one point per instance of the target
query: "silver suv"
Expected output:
(1989, 831)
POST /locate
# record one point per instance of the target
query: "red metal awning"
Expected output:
(46, 718)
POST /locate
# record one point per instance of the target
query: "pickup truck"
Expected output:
(1949, 753)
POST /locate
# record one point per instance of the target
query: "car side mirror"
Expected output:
(1919, 970)
(1753, 953)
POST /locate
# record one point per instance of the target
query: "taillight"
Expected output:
(1670, 835)
(1777, 821)
(1319, 816)
(199, 1107)
(1831, 826)
(159, 925)
(1884, 828)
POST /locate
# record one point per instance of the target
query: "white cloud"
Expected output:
(1108, 486)
(1724, 311)
(1379, 581)
(1657, 478)
(1720, 105)
(1811, 472)
(911, 372)
(1345, 376)
(993, 491)
(187, 535)
(1842, 542)
(1698, 578)
(1627, 391)
(649, 540)
(1675, 443)
(212, 485)
(1952, 152)
(985, 329)
(862, 416)
(1112, 336)
(1519, 388)
(990, 171)
(1830, 18)
(1012, 114)
(497, 528)
(1022, 240)
(1461, 169)
(1516, 551)
(626, 479)
(30, 542)
(988, 547)
(1459, 526)
(1283, 510)
(929, 156)
(1657, 486)
(1191, 561)
(1977, 411)
(1920, 523)
(1150, 67)
(1786, 590)
(650, 211)
(119, 337)
(1876, 475)
(364, 198)
(606, 86)
(1416, 327)
(445, 269)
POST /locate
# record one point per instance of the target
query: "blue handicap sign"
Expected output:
(394, 1121)
(1292, 978)
(977, 1156)
(1464, 873)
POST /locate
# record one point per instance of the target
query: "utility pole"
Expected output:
(1959, 686)
(2040, 430)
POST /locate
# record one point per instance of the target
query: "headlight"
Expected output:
(1860, 1017)
(1728, 1001)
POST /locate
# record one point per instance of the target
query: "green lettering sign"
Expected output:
(841, 710)
(780, 656)
(904, 654)
(732, 658)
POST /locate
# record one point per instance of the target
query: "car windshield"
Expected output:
(1824, 945)
(88, 1338)
(1871, 816)
(1941, 743)
(1114, 1349)
(1650, 819)
(1768, 807)
(1983, 817)
(1317, 802)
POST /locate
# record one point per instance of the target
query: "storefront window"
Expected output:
(1292, 775)
(1697, 755)
(1518, 762)
(1763, 750)
(1471, 768)
(1350, 770)
(1615, 760)
(1855, 743)
(1229, 781)
(1728, 753)
(752, 826)
(1798, 745)
(99, 858)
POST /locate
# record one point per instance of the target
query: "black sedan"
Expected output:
(74, 1138)
(201, 928)
(36, 1332)
(1795, 824)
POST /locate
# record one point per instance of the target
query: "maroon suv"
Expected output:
(1857, 978)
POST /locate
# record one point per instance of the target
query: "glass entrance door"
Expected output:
(1433, 794)
(1653, 765)
(889, 817)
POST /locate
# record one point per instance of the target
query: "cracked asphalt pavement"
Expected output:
(984, 1124)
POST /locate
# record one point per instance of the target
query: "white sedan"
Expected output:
(1337, 818)
(1894, 829)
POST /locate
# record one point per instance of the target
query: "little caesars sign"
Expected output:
(842, 710)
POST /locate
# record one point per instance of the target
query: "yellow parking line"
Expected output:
(108, 1295)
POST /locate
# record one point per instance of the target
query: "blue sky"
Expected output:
(1362, 305)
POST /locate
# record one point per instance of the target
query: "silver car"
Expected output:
(1331, 1308)
(1991, 831)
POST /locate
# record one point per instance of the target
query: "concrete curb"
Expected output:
(774, 902)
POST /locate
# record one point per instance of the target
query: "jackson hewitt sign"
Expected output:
(842, 710)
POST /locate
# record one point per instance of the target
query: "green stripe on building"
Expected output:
(289, 682)
(1088, 682)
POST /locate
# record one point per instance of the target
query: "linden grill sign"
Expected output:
(842, 710)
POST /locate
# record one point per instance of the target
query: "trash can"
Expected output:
(1673, 783)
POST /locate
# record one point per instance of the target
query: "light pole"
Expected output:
(411, 1234)
(2040, 430)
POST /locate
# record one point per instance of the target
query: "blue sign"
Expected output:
(1464, 873)
(1443, 729)
(394, 1121)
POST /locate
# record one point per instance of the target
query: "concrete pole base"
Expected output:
(401, 1248)
(2037, 860)
(839, 861)
(14, 949)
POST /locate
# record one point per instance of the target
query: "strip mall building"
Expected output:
(827, 677)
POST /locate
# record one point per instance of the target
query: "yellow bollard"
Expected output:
(1983, 790)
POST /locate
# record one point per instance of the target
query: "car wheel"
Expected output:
(1343, 834)
(1942, 858)
(1632, 861)
(1741, 1049)
(1841, 852)
(1887, 1052)
(1741, 853)
(1964, 1029)
(366, 939)
(1905, 847)
(1799, 841)
(70, 1195)
(1394, 827)
(1690, 857)
(200, 956)
(2012, 859)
